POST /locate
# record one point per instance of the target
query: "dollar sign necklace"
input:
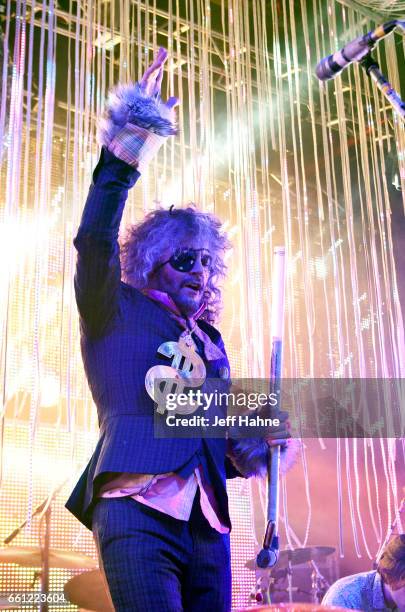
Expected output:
(187, 335)
(187, 370)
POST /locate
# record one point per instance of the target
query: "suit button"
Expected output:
(224, 373)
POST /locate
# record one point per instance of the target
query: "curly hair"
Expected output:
(145, 242)
(391, 565)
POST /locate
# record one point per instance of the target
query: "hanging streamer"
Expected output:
(279, 157)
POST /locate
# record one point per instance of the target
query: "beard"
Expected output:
(188, 305)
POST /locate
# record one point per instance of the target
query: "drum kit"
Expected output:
(86, 590)
(270, 582)
(89, 592)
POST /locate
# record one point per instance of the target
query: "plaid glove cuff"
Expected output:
(134, 124)
(136, 146)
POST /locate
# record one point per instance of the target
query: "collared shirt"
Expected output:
(358, 592)
(211, 350)
(170, 493)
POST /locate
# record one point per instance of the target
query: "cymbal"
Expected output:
(297, 556)
(294, 607)
(30, 556)
(303, 555)
(88, 590)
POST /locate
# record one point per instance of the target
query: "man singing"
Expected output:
(158, 508)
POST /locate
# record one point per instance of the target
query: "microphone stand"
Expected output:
(268, 556)
(45, 508)
(372, 70)
(359, 50)
(45, 545)
(20, 527)
(319, 584)
(45, 556)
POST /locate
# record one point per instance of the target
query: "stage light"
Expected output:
(184, 28)
(320, 268)
(236, 84)
(49, 391)
(289, 73)
(107, 41)
(175, 65)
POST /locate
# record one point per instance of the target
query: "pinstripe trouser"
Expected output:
(156, 563)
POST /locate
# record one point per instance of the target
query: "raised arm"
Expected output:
(98, 271)
(132, 130)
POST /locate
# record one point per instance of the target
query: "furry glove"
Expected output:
(134, 124)
(250, 455)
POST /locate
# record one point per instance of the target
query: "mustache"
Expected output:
(194, 282)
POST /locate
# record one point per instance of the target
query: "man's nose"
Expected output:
(198, 268)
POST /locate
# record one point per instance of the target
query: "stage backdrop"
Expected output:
(281, 159)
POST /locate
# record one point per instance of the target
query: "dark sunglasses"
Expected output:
(183, 260)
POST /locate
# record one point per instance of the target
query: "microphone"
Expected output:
(268, 557)
(354, 51)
